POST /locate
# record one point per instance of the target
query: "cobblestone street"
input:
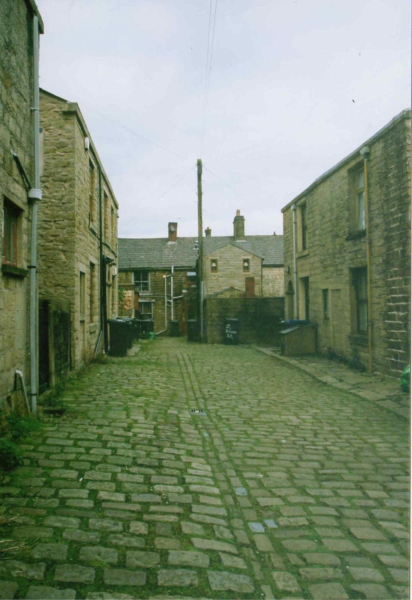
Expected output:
(200, 471)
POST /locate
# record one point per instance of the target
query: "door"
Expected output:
(336, 322)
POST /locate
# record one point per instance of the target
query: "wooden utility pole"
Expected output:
(200, 243)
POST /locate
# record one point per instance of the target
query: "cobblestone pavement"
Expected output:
(192, 471)
(385, 391)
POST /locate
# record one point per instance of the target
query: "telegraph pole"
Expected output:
(200, 242)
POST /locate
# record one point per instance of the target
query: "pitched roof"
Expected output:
(156, 253)
(159, 253)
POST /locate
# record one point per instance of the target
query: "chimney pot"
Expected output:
(238, 213)
(172, 232)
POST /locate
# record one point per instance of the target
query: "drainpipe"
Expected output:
(172, 292)
(365, 152)
(295, 266)
(34, 196)
(103, 303)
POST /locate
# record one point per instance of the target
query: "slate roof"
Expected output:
(159, 253)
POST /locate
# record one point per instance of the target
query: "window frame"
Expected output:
(11, 216)
(359, 278)
(325, 304)
(244, 261)
(92, 192)
(82, 296)
(139, 283)
(146, 302)
(214, 268)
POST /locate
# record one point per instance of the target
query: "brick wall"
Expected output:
(16, 133)
(259, 319)
(333, 251)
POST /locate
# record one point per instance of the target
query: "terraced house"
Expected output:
(20, 26)
(347, 253)
(77, 243)
(152, 271)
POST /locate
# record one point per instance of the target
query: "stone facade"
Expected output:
(152, 301)
(332, 261)
(230, 270)
(233, 266)
(16, 135)
(77, 228)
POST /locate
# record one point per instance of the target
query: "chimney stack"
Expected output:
(208, 232)
(172, 232)
(239, 226)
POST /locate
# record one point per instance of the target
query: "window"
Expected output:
(246, 265)
(213, 265)
(92, 296)
(357, 200)
(82, 295)
(302, 227)
(146, 308)
(112, 227)
(10, 232)
(142, 281)
(92, 185)
(360, 312)
(304, 298)
(325, 304)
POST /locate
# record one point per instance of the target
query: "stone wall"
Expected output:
(230, 270)
(334, 250)
(259, 319)
(16, 134)
(272, 282)
(69, 227)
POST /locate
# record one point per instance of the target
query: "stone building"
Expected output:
(243, 265)
(347, 253)
(146, 284)
(234, 266)
(19, 23)
(77, 242)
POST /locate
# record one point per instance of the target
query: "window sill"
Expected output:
(358, 339)
(356, 235)
(14, 271)
(302, 253)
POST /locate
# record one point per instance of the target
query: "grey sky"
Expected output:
(294, 87)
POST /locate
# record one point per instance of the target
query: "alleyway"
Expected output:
(276, 486)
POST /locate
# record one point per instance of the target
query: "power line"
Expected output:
(174, 185)
(209, 64)
(135, 133)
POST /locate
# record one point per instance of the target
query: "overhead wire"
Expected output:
(209, 64)
(173, 186)
(135, 133)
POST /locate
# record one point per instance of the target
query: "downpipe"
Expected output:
(295, 266)
(34, 195)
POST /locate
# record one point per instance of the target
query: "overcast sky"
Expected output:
(269, 93)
